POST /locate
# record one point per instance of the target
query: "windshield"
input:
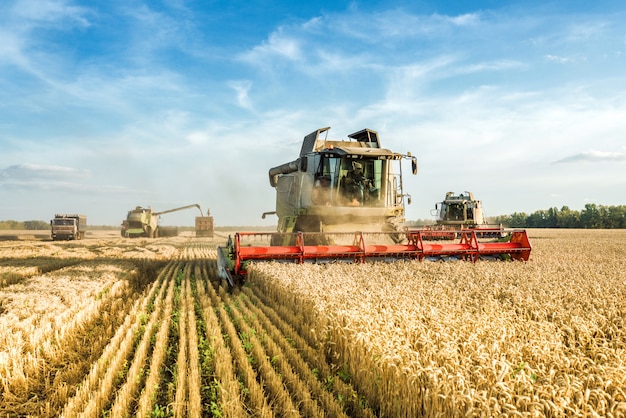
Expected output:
(459, 212)
(349, 182)
(68, 222)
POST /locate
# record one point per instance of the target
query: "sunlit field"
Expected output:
(108, 326)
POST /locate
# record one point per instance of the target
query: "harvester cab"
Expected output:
(337, 186)
(344, 201)
(462, 211)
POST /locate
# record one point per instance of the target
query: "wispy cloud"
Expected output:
(398, 25)
(26, 172)
(43, 177)
(594, 157)
(586, 30)
(330, 39)
(491, 66)
(558, 59)
(279, 45)
(241, 88)
(467, 19)
(69, 187)
(58, 179)
(51, 12)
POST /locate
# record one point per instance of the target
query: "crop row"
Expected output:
(181, 345)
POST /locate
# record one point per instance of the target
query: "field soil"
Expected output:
(108, 326)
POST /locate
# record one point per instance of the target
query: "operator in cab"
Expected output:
(354, 184)
(321, 191)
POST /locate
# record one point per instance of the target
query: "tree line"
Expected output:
(591, 217)
(11, 225)
(25, 225)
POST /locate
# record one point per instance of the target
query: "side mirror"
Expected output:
(408, 200)
(414, 165)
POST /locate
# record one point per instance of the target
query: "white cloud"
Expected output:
(50, 11)
(586, 30)
(36, 172)
(70, 187)
(467, 19)
(560, 60)
(242, 88)
(279, 46)
(34, 177)
(594, 157)
(198, 138)
(489, 66)
(10, 48)
(313, 24)
(320, 43)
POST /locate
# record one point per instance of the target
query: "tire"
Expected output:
(312, 224)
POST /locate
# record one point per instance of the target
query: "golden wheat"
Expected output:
(542, 338)
(500, 338)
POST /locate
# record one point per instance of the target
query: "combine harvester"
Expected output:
(144, 222)
(344, 201)
(457, 213)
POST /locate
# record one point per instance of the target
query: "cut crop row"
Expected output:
(100, 388)
(46, 354)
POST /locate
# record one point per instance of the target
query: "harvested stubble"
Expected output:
(188, 402)
(545, 337)
(224, 377)
(272, 382)
(338, 391)
(255, 399)
(277, 348)
(47, 317)
(96, 389)
(146, 402)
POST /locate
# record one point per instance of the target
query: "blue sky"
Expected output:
(105, 106)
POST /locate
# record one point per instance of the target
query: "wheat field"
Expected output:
(115, 327)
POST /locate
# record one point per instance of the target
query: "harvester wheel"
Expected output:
(395, 235)
(311, 224)
(279, 239)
